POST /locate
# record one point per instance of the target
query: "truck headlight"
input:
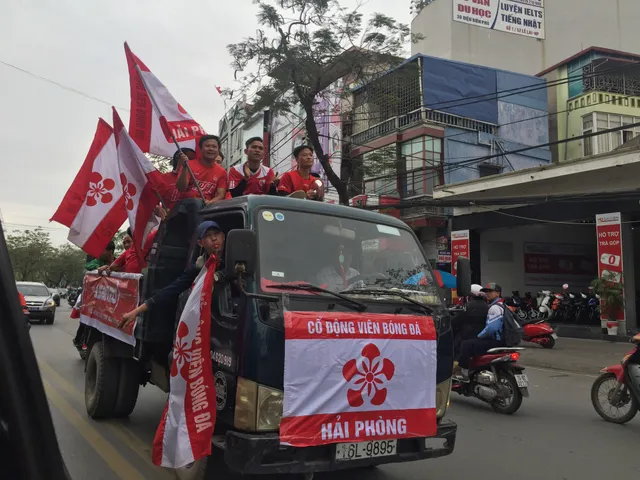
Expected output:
(269, 408)
(443, 391)
(258, 408)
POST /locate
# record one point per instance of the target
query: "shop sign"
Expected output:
(609, 232)
(520, 17)
(459, 247)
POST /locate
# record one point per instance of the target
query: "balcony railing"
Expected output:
(416, 117)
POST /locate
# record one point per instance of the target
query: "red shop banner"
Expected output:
(105, 299)
(609, 232)
(459, 247)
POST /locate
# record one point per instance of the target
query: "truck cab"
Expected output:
(296, 255)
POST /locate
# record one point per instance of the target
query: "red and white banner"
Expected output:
(459, 247)
(352, 378)
(105, 299)
(609, 232)
(151, 125)
(93, 207)
(185, 431)
(140, 183)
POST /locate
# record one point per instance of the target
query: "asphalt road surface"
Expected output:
(555, 435)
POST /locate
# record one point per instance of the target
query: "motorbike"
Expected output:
(530, 306)
(516, 305)
(496, 378)
(537, 331)
(545, 303)
(615, 394)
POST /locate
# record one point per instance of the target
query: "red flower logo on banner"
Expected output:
(369, 378)
(181, 351)
(129, 191)
(99, 189)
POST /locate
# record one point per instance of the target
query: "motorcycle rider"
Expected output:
(491, 336)
(469, 323)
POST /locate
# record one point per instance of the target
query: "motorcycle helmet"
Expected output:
(476, 291)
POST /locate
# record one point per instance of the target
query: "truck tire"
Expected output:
(100, 383)
(128, 387)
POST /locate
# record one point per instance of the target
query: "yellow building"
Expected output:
(596, 89)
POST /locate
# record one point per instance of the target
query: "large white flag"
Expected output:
(185, 431)
(156, 117)
(140, 183)
(93, 207)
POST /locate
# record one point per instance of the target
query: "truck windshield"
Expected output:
(340, 254)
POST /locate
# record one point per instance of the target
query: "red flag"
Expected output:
(184, 433)
(93, 207)
(156, 117)
(219, 90)
(140, 183)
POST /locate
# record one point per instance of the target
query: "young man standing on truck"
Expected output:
(211, 239)
(300, 179)
(252, 177)
(211, 177)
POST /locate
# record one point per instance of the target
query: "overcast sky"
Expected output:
(45, 130)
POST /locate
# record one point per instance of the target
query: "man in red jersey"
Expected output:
(252, 177)
(300, 179)
(211, 177)
(128, 261)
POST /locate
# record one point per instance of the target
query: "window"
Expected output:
(423, 156)
(609, 141)
(487, 169)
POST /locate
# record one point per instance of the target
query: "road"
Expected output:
(556, 434)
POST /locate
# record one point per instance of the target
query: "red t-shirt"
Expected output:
(292, 182)
(171, 195)
(210, 179)
(258, 183)
(129, 261)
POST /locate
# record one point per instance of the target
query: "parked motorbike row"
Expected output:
(564, 307)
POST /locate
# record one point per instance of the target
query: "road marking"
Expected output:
(120, 466)
(126, 436)
(555, 370)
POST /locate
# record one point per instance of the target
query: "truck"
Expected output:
(281, 244)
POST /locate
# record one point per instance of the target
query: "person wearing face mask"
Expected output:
(211, 239)
(337, 276)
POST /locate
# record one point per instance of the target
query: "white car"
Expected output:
(39, 300)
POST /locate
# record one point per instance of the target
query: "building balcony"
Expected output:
(605, 101)
(416, 118)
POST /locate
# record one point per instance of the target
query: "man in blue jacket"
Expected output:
(491, 336)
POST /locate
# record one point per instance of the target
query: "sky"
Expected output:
(46, 130)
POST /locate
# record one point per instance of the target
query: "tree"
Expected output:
(30, 251)
(304, 46)
(66, 266)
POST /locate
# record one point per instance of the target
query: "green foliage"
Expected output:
(304, 46)
(35, 259)
(611, 294)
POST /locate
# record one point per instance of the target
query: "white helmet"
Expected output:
(476, 291)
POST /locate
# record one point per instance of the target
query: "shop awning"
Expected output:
(615, 172)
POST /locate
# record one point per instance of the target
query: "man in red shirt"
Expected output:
(211, 177)
(252, 177)
(300, 179)
(128, 261)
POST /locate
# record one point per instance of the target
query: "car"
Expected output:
(40, 301)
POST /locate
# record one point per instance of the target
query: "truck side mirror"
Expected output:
(241, 248)
(463, 277)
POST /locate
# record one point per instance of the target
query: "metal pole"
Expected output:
(155, 107)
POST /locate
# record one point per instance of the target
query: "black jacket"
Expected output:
(470, 323)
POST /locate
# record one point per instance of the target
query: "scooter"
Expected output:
(545, 303)
(615, 394)
(496, 378)
(538, 331)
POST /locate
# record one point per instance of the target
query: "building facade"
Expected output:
(596, 89)
(525, 36)
(425, 124)
(237, 126)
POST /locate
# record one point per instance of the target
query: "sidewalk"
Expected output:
(575, 355)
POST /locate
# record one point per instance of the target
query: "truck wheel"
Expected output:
(128, 387)
(100, 383)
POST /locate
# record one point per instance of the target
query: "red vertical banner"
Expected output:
(459, 247)
(609, 232)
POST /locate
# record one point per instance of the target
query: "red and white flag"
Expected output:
(93, 207)
(155, 114)
(140, 182)
(378, 378)
(185, 431)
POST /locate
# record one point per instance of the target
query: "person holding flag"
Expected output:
(210, 176)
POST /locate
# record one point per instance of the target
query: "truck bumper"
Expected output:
(262, 453)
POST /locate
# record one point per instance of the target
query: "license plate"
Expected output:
(522, 381)
(554, 336)
(360, 450)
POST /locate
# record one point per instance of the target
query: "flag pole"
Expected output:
(155, 107)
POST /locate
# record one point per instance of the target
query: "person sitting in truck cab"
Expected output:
(211, 239)
(336, 276)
